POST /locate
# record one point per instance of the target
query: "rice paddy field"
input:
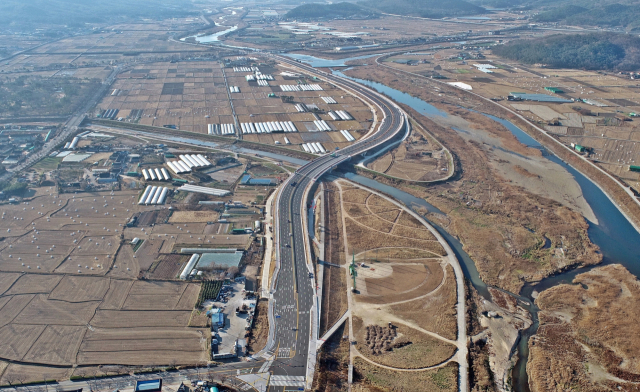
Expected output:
(70, 293)
(192, 95)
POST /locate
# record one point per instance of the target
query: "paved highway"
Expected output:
(295, 288)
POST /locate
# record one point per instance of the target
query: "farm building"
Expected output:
(223, 259)
(247, 180)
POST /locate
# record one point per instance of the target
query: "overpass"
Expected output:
(293, 303)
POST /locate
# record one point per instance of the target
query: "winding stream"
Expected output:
(618, 240)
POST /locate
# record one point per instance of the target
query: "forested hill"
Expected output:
(598, 51)
(335, 10)
(603, 14)
(425, 8)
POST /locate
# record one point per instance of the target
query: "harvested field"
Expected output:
(34, 284)
(400, 346)
(6, 280)
(57, 345)
(436, 312)
(199, 319)
(167, 268)
(371, 378)
(193, 216)
(16, 340)
(44, 311)
(189, 297)
(117, 294)
(12, 308)
(146, 218)
(157, 288)
(147, 253)
(151, 302)
(20, 373)
(140, 318)
(144, 346)
(362, 238)
(80, 289)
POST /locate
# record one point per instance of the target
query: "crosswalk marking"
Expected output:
(287, 381)
(265, 366)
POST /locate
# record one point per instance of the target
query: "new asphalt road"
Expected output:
(295, 287)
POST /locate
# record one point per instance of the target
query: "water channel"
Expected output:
(618, 240)
(210, 38)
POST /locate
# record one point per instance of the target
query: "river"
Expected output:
(210, 38)
(618, 240)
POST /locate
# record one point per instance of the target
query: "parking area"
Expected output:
(238, 308)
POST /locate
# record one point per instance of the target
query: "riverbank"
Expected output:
(588, 334)
(504, 224)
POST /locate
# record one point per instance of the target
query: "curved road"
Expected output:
(294, 293)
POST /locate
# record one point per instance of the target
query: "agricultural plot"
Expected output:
(69, 274)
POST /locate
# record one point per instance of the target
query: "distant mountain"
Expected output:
(75, 13)
(425, 8)
(559, 13)
(602, 51)
(335, 10)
